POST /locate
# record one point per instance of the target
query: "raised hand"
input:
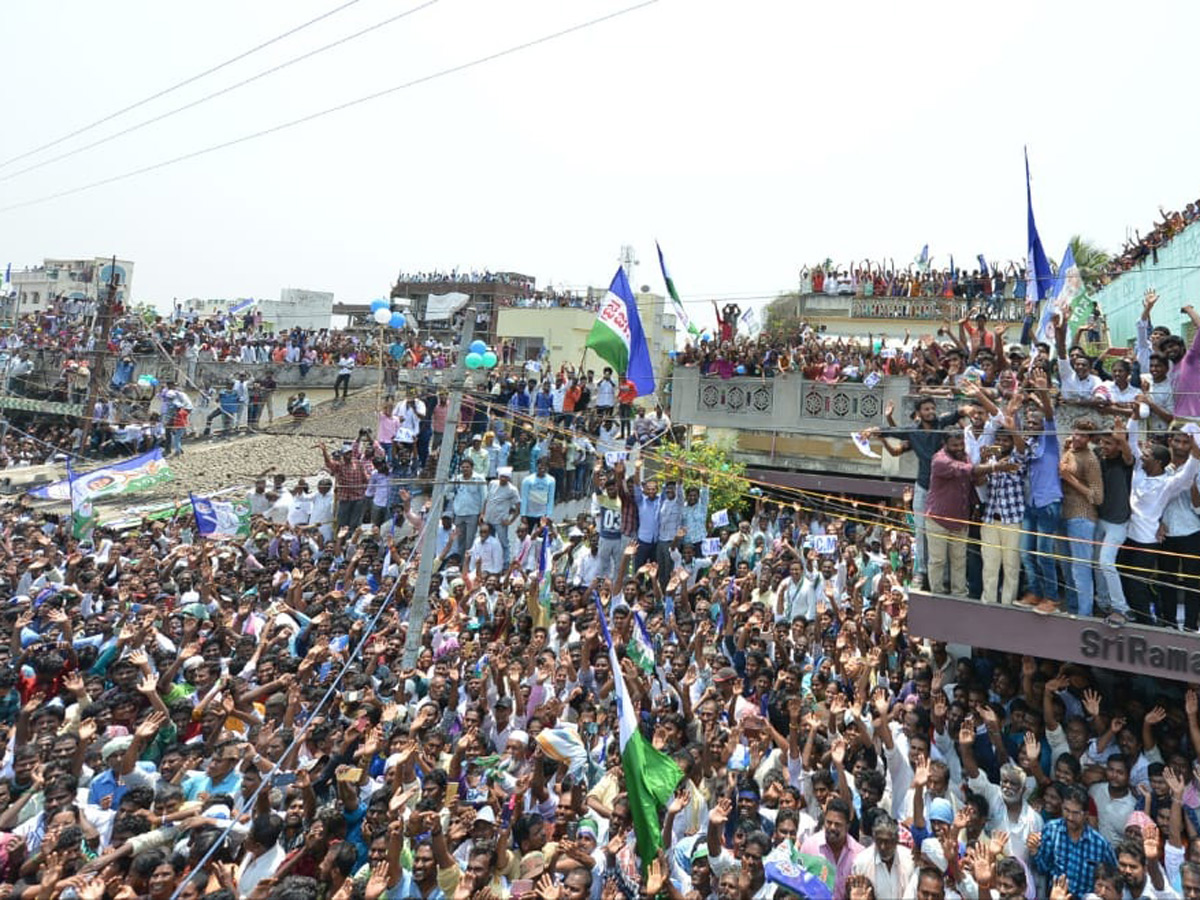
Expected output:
(921, 773)
(719, 814)
(1091, 703)
(548, 888)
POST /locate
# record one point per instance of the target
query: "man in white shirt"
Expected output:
(301, 509)
(345, 367)
(486, 554)
(263, 853)
(321, 515)
(606, 392)
(885, 863)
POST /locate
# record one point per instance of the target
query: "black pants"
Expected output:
(1143, 566)
(342, 381)
(1182, 585)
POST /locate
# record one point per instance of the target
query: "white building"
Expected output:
(86, 279)
(297, 307)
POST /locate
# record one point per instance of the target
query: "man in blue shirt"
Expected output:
(649, 507)
(228, 404)
(221, 775)
(537, 495)
(1043, 512)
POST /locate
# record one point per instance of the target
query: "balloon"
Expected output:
(396, 320)
(741, 370)
(382, 316)
(379, 303)
(489, 360)
(474, 360)
(478, 347)
(705, 338)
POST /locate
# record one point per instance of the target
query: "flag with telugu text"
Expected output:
(617, 336)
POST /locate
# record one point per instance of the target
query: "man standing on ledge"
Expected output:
(951, 485)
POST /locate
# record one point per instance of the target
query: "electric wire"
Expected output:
(222, 92)
(168, 90)
(301, 733)
(341, 107)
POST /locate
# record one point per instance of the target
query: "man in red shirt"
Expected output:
(626, 394)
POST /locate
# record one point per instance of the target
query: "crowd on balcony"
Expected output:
(993, 284)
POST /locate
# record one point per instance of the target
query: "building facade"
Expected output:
(298, 308)
(561, 331)
(34, 289)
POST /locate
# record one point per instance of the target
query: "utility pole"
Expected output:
(418, 612)
(96, 379)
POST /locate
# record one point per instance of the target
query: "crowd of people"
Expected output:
(993, 284)
(236, 719)
(1139, 248)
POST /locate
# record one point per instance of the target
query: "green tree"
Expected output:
(706, 465)
(1090, 258)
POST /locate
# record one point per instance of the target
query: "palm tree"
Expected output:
(1091, 259)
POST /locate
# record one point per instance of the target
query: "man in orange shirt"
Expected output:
(626, 394)
(570, 398)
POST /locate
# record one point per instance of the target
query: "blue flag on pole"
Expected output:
(983, 266)
(1037, 268)
(617, 336)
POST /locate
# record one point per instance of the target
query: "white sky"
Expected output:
(748, 137)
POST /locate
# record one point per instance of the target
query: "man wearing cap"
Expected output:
(501, 508)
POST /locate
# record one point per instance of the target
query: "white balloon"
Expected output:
(382, 316)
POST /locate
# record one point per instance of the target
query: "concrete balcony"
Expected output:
(792, 423)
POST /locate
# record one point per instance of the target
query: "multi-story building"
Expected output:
(562, 330)
(34, 289)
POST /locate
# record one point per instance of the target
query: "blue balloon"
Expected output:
(479, 347)
(397, 320)
(705, 338)
(379, 303)
(741, 370)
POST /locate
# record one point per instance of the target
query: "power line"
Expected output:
(178, 85)
(226, 90)
(433, 76)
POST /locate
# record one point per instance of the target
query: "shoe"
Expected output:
(1029, 600)
(1048, 607)
(1116, 620)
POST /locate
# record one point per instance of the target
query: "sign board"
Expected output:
(1140, 649)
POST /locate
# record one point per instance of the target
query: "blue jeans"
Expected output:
(1108, 586)
(1081, 552)
(1039, 544)
(920, 553)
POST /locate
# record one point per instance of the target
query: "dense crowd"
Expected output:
(235, 718)
(1139, 248)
